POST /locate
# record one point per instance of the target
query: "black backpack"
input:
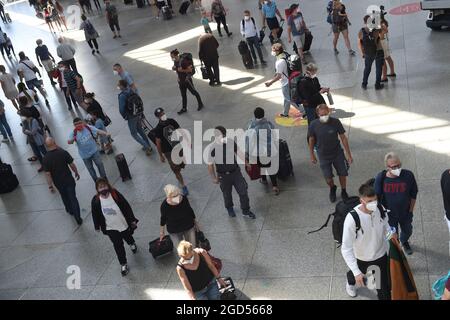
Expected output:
(135, 106)
(293, 62)
(343, 208)
(187, 57)
(8, 180)
(368, 43)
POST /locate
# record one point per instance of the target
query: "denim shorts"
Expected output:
(339, 163)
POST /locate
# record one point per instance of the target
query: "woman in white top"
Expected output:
(9, 86)
(112, 214)
(384, 40)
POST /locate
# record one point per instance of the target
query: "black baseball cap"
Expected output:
(159, 112)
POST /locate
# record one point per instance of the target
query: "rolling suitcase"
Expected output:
(8, 180)
(123, 167)
(308, 41)
(245, 53)
(166, 13)
(184, 6)
(140, 3)
(285, 163)
(159, 248)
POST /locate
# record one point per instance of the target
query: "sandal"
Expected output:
(276, 191)
(33, 158)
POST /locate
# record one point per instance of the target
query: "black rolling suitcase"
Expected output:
(285, 163)
(308, 41)
(280, 32)
(184, 6)
(140, 3)
(148, 129)
(166, 13)
(123, 167)
(128, 2)
(159, 248)
(8, 180)
(245, 53)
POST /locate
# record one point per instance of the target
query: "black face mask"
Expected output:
(104, 192)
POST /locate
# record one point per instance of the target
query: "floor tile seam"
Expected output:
(111, 259)
(25, 228)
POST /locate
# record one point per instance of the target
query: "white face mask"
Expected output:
(247, 18)
(191, 260)
(274, 53)
(324, 119)
(119, 88)
(61, 69)
(176, 199)
(164, 117)
(115, 73)
(396, 172)
(372, 206)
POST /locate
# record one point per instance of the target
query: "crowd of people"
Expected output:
(394, 188)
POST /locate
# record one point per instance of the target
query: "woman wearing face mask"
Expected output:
(112, 214)
(177, 216)
(197, 273)
(70, 99)
(311, 92)
(183, 68)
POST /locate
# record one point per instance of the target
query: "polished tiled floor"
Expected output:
(271, 257)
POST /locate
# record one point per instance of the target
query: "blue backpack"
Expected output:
(330, 10)
(439, 287)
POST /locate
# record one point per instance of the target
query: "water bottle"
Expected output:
(330, 98)
(390, 233)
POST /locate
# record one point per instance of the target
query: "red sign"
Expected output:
(406, 9)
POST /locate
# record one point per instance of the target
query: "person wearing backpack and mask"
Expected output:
(85, 137)
(165, 144)
(131, 109)
(114, 217)
(326, 132)
(118, 70)
(296, 29)
(397, 190)
(371, 49)
(112, 17)
(282, 75)
(90, 33)
(250, 32)
(183, 66)
(365, 245)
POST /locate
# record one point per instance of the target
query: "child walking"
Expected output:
(205, 22)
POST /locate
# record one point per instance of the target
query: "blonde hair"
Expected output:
(391, 156)
(311, 67)
(171, 191)
(185, 248)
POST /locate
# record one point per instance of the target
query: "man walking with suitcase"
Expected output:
(326, 132)
(250, 32)
(133, 116)
(269, 15)
(228, 174)
(56, 164)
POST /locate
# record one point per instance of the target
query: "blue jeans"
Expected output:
(69, 198)
(287, 100)
(89, 163)
(405, 221)
(211, 292)
(253, 42)
(4, 127)
(379, 61)
(39, 151)
(134, 124)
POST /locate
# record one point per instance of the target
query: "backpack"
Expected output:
(293, 63)
(134, 106)
(343, 208)
(112, 11)
(89, 28)
(8, 180)
(330, 11)
(185, 60)
(439, 287)
(294, 67)
(368, 43)
(243, 23)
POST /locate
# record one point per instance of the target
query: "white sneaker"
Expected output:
(351, 290)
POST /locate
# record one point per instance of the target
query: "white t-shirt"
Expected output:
(32, 94)
(282, 69)
(113, 216)
(28, 73)
(368, 246)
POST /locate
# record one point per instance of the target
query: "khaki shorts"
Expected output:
(48, 65)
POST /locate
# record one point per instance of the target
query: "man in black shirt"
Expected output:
(56, 165)
(165, 144)
(184, 69)
(45, 58)
(326, 132)
(228, 172)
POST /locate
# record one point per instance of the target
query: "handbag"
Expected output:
(204, 72)
(253, 171)
(216, 262)
(107, 121)
(202, 241)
